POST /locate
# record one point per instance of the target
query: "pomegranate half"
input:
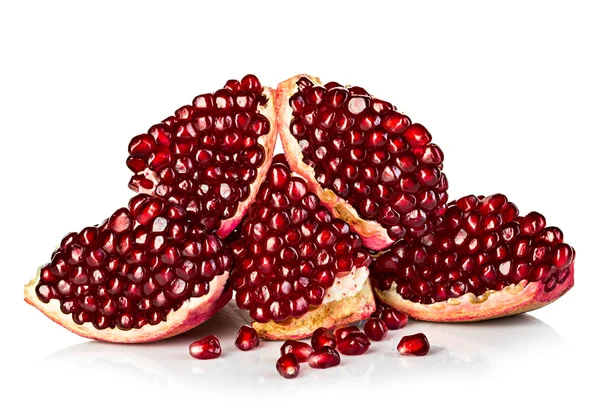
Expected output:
(367, 162)
(484, 261)
(211, 156)
(147, 273)
(297, 268)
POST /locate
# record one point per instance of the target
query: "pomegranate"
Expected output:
(300, 349)
(288, 366)
(324, 358)
(206, 348)
(484, 261)
(367, 162)
(246, 338)
(355, 343)
(341, 333)
(322, 337)
(211, 156)
(296, 267)
(375, 329)
(394, 319)
(417, 345)
(147, 273)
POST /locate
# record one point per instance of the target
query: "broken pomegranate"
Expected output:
(393, 319)
(210, 156)
(296, 267)
(324, 358)
(322, 337)
(246, 338)
(484, 261)
(417, 345)
(146, 273)
(341, 333)
(300, 349)
(355, 343)
(375, 329)
(288, 366)
(206, 348)
(367, 162)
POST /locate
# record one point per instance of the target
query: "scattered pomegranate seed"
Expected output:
(376, 329)
(355, 343)
(288, 366)
(322, 337)
(341, 333)
(414, 345)
(300, 349)
(206, 348)
(246, 338)
(394, 319)
(324, 358)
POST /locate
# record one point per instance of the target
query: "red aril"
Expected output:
(300, 349)
(288, 366)
(417, 345)
(246, 339)
(394, 319)
(341, 333)
(375, 329)
(206, 348)
(324, 358)
(355, 343)
(322, 337)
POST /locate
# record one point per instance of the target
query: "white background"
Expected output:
(510, 92)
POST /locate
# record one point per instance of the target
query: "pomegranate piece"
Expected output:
(375, 329)
(322, 337)
(206, 348)
(394, 319)
(246, 339)
(293, 258)
(209, 157)
(483, 261)
(146, 273)
(341, 333)
(355, 343)
(417, 345)
(324, 358)
(299, 349)
(369, 163)
(288, 366)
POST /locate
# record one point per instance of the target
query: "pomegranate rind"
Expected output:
(513, 299)
(332, 315)
(193, 312)
(373, 235)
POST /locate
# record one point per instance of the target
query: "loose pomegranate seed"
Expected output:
(394, 319)
(288, 366)
(324, 358)
(206, 348)
(414, 345)
(322, 337)
(341, 333)
(246, 338)
(375, 329)
(355, 343)
(300, 349)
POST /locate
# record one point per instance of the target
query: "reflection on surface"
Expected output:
(458, 350)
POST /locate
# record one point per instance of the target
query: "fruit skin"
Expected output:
(331, 316)
(193, 312)
(512, 300)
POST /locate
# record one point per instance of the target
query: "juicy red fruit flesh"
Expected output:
(324, 358)
(246, 339)
(287, 366)
(205, 157)
(355, 343)
(394, 319)
(206, 348)
(371, 155)
(482, 244)
(299, 349)
(290, 250)
(321, 338)
(341, 333)
(417, 345)
(375, 329)
(133, 270)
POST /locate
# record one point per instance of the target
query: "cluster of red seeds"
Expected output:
(290, 249)
(206, 156)
(482, 245)
(135, 268)
(371, 155)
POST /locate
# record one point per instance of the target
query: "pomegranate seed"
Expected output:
(288, 366)
(417, 345)
(300, 349)
(246, 339)
(206, 348)
(355, 343)
(394, 319)
(375, 329)
(324, 358)
(322, 337)
(341, 333)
